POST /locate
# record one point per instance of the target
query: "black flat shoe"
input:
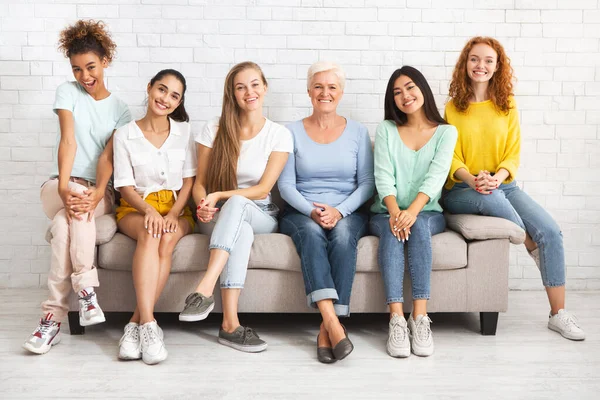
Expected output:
(325, 354)
(343, 348)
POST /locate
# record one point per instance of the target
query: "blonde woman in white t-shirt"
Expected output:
(155, 165)
(240, 157)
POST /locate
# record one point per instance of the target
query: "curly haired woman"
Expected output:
(486, 159)
(77, 191)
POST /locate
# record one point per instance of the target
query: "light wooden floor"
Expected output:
(524, 359)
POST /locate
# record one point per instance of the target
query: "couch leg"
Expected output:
(74, 326)
(489, 322)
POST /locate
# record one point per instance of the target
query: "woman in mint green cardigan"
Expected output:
(413, 152)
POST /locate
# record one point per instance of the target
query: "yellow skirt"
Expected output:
(162, 202)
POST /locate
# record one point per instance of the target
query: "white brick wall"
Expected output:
(554, 46)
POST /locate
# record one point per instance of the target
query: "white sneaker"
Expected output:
(398, 344)
(46, 335)
(152, 345)
(565, 323)
(129, 345)
(90, 312)
(421, 339)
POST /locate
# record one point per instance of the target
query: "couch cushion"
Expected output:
(274, 251)
(479, 227)
(106, 227)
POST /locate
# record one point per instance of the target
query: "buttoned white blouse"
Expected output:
(138, 163)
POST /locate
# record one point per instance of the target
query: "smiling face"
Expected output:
(88, 70)
(325, 91)
(407, 95)
(249, 89)
(482, 63)
(164, 96)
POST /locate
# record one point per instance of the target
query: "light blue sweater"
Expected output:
(339, 174)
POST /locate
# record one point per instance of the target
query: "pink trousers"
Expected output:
(73, 246)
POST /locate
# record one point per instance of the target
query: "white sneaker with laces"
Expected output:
(421, 338)
(398, 344)
(129, 345)
(566, 324)
(46, 335)
(152, 345)
(90, 312)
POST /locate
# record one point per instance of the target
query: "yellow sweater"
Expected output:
(488, 139)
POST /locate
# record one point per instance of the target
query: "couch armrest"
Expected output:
(479, 227)
(106, 227)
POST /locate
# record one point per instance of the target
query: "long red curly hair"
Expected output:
(500, 87)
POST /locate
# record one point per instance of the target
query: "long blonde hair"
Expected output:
(222, 166)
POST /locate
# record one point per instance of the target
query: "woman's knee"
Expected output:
(234, 202)
(167, 244)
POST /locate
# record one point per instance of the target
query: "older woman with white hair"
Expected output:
(325, 182)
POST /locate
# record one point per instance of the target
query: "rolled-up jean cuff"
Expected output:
(218, 246)
(395, 300)
(341, 310)
(228, 285)
(421, 297)
(321, 294)
(554, 284)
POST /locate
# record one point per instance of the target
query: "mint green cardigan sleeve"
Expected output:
(440, 165)
(385, 179)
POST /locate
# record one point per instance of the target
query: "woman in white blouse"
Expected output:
(240, 157)
(155, 164)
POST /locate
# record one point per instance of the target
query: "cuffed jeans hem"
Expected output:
(421, 297)
(395, 300)
(227, 285)
(322, 294)
(218, 246)
(552, 285)
(341, 310)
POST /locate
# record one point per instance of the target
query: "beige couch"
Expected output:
(470, 272)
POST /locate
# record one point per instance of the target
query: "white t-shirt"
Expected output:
(254, 153)
(139, 163)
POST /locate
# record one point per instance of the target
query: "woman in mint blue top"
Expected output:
(329, 177)
(413, 152)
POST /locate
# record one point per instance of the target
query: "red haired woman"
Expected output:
(486, 159)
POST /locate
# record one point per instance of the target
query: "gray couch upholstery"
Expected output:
(470, 272)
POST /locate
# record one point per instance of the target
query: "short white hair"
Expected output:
(322, 66)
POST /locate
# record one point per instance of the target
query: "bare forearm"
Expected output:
(391, 204)
(465, 176)
(418, 203)
(501, 175)
(129, 194)
(66, 157)
(183, 196)
(103, 173)
(257, 192)
(198, 191)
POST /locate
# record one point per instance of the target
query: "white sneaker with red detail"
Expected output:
(90, 312)
(46, 335)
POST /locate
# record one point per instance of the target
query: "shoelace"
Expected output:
(133, 332)
(424, 328)
(148, 335)
(398, 332)
(568, 319)
(89, 300)
(249, 333)
(44, 327)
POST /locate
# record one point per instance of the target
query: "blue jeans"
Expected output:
(233, 230)
(391, 254)
(513, 204)
(328, 257)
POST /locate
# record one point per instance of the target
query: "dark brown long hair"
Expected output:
(222, 166)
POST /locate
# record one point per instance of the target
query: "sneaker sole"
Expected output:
(197, 317)
(92, 321)
(44, 349)
(245, 348)
(404, 354)
(557, 329)
(422, 353)
(162, 356)
(129, 357)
